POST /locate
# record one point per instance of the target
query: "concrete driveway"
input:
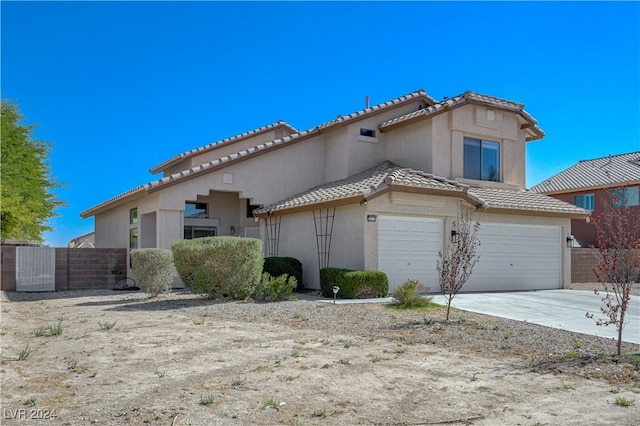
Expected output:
(564, 309)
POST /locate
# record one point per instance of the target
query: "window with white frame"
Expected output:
(586, 201)
(481, 159)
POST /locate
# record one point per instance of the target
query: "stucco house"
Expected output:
(593, 184)
(376, 189)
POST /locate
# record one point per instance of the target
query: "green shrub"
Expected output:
(328, 278)
(154, 269)
(272, 289)
(353, 284)
(277, 266)
(219, 266)
(408, 295)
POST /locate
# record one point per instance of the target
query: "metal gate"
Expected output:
(35, 269)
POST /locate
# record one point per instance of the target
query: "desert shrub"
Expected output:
(272, 289)
(276, 266)
(408, 295)
(363, 284)
(219, 266)
(154, 269)
(353, 284)
(328, 278)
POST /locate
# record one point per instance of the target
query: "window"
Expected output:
(193, 209)
(585, 201)
(133, 238)
(251, 208)
(481, 160)
(133, 216)
(625, 197)
(368, 132)
(191, 232)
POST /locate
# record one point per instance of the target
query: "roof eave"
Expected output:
(113, 202)
(529, 212)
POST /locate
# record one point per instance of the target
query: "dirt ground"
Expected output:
(184, 360)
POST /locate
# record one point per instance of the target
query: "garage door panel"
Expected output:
(413, 251)
(517, 257)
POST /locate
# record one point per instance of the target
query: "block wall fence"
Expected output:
(76, 269)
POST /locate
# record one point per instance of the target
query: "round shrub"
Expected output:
(219, 266)
(154, 269)
(408, 295)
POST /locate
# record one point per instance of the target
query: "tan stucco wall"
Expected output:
(224, 149)
(298, 240)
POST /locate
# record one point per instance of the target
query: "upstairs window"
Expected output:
(251, 208)
(585, 201)
(368, 133)
(481, 160)
(625, 197)
(197, 210)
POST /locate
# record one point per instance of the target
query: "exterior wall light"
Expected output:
(371, 218)
(570, 241)
(454, 236)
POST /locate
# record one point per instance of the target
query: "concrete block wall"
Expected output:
(76, 269)
(583, 261)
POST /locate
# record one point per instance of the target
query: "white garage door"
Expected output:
(517, 257)
(408, 248)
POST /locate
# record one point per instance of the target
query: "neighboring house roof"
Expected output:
(388, 176)
(530, 125)
(209, 147)
(605, 172)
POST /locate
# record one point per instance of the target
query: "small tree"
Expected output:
(27, 192)
(456, 263)
(617, 236)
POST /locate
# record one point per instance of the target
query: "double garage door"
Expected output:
(512, 257)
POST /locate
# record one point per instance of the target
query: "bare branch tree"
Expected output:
(617, 236)
(456, 263)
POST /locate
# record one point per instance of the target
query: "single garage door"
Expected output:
(517, 257)
(408, 248)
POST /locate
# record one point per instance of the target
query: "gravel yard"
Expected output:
(180, 359)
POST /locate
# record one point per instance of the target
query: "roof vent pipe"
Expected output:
(366, 102)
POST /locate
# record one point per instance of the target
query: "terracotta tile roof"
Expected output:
(173, 160)
(93, 210)
(419, 94)
(389, 175)
(490, 198)
(361, 184)
(418, 179)
(602, 172)
(534, 132)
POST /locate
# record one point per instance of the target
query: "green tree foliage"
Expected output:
(27, 201)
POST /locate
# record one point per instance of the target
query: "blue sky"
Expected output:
(119, 87)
